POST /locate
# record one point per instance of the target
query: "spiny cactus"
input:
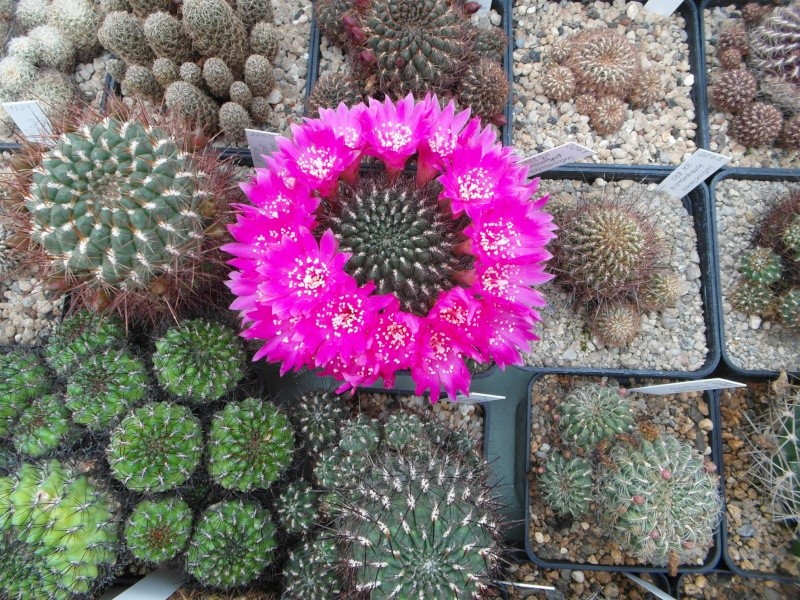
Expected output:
(232, 543)
(216, 31)
(166, 37)
(157, 530)
(333, 89)
(790, 237)
(336, 468)
(234, 119)
(360, 435)
(775, 225)
(660, 501)
(78, 20)
(616, 323)
(775, 43)
(403, 430)
(734, 90)
(761, 265)
(252, 12)
(484, 89)
(217, 76)
(140, 81)
(42, 427)
(559, 83)
(250, 444)
(752, 298)
(296, 507)
(155, 448)
(662, 290)
(199, 360)
(753, 11)
(608, 115)
(374, 225)
(328, 14)
(260, 109)
(53, 49)
(240, 94)
(648, 88)
(756, 125)
(23, 378)
(164, 70)
(491, 43)
(54, 91)
(191, 73)
(192, 104)
(781, 93)
(123, 34)
(258, 75)
(16, 75)
(61, 525)
(264, 40)
(9, 258)
(318, 417)
(789, 308)
(604, 62)
(304, 577)
(592, 412)
(79, 337)
(104, 387)
(566, 485)
(30, 14)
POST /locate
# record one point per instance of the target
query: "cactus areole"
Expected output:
(364, 274)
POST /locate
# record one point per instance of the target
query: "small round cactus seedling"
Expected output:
(102, 388)
(662, 290)
(250, 444)
(155, 448)
(361, 435)
(592, 412)
(789, 308)
(232, 543)
(752, 298)
(297, 510)
(199, 361)
(42, 427)
(403, 430)
(761, 265)
(158, 530)
(336, 468)
(616, 324)
(80, 336)
(311, 571)
(23, 378)
(567, 485)
(319, 417)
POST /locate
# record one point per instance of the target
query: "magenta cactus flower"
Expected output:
(360, 275)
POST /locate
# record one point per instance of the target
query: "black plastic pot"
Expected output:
(697, 205)
(750, 174)
(524, 416)
(503, 8)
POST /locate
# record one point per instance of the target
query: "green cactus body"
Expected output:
(80, 336)
(360, 436)
(60, 532)
(791, 237)
(199, 360)
(232, 543)
(216, 31)
(789, 308)
(42, 427)
(296, 507)
(123, 218)
(157, 530)
(592, 412)
(319, 417)
(566, 485)
(659, 501)
(102, 389)
(305, 579)
(250, 444)
(491, 43)
(336, 468)
(752, 298)
(23, 378)
(155, 448)
(403, 430)
(761, 265)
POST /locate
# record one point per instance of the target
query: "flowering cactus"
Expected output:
(362, 275)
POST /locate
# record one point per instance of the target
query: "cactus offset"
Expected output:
(43, 427)
(318, 417)
(592, 413)
(758, 124)
(216, 30)
(484, 89)
(761, 265)
(123, 34)
(265, 39)
(559, 83)
(296, 508)
(23, 379)
(608, 115)
(80, 336)
(566, 485)
(331, 90)
(157, 530)
(662, 290)
(734, 90)
(604, 62)
(166, 37)
(788, 307)
(616, 324)
(304, 577)
(753, 298)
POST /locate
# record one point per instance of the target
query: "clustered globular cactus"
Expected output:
(80, 336)
(59, 530)
(23, 379)
(42, 427)
(604, 68)
(199, 361)
(402, 239)
(226, 34)
(232, 543)
(566, 485)
(592, 413)
(157, 530)
(250, 444)
(155, 447)
(296, 507)
(660, 501)
(412, 46)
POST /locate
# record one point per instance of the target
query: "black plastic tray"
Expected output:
(678, 593)
(503, 7)
(714, 554)
(751, 174)
(697, 205)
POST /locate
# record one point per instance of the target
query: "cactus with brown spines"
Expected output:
(260, 109)
(166, 37)
(140, 81)
(559, 83)
(491, 44)
(616, 324)
(329, 15)
(775, 43)
(662, 290)
(604, 62)
(758, 124)
(730, 58)
(734, 90)
(484, 89)
(123, 34)
(753, 11)
(648, 89)
(333, 89)
(233, 120)
(255, 11)
(608, 115)
(790, 136)
(753, 298)
(733, 37)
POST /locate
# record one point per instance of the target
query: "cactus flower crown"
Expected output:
(360, 275)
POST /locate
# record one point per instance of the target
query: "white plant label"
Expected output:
(662, 7)
(661, 595)
(700, 385)
(31, 120)
(692, 172)
(475, 398)
(555, 157)
(158, 584)
(261, 143)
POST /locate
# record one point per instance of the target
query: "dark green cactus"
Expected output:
(313, 571)
(78, 337)
(199, 360)
(592, 412)
(361, 435)
(157, 530)
(23, 378)
(403, 430)
(296, 507)
(789, 308)
(761, 265)
(752, 298)
(566, 485)
(43, 427)
(318, 417)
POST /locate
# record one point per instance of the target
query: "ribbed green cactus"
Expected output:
(318, 417)
(402, 239)
(403, 430)
(761, 265)
(155, 448)
(23, 378)
(80, 336)
(250, 444)
(491, 43)
(660, 501)
(593, 412)
(232, 543)
(43, 427)
(59, 527)
(752, 298)
(103, 387)
(199, 360)
(566, 485)
(216, 31)
(360, 435)
(313, 570)
(336, 468)
(158, 530)
(328, 14)
(296, 507)
(789, 308)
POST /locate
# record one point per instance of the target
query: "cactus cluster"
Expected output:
(399, 47)
(605, 69)
(770, 270)
(191, 58)
(43, 426)
(608, 257)
(763, 94)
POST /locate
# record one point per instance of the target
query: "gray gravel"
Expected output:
(752, 343)
(671, 340)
